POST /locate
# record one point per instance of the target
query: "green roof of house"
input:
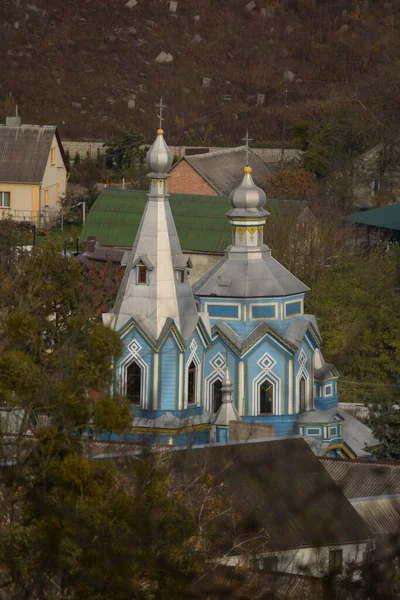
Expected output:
(386, 217)
(200, 220)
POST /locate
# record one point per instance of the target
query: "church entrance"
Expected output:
(216, 395)
(266, 398)
(134, 383)
(302, 393)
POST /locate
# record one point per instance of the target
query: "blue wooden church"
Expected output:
(234, 349)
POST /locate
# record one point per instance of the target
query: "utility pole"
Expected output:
(283, 128)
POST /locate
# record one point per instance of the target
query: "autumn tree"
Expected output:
(292, 184)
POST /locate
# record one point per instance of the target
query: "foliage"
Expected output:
(355, 302)
(385, 421)
(292, 184)
(123, 153)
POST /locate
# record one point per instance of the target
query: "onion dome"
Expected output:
(159, 157)
(247, 195)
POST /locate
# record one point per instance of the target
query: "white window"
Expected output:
(5, 198)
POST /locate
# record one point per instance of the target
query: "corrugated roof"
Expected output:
(223, 169)
(381, 514)
(24, 152)
(386, 217)
(284, 487)
(364, 479)
(200, 220)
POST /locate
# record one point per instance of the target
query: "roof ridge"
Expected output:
(216, 152)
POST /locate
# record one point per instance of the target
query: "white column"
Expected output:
(155, 381)
(241, 388)
(181, 374)
(291, 396)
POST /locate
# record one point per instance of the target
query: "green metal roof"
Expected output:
(386, 217)
(200, 220)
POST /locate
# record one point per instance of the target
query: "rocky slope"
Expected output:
(96, 67)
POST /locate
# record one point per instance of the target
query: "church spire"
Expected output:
(247, 215)
(155, 287)
(227, 411)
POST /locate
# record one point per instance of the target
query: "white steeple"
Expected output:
(155, 286)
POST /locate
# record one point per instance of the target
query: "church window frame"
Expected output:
(288, 307)
(134, 383)
(142, 275)
(328, 390)
(214, 400)
(302, 393)
(271, 388)
(192, 383)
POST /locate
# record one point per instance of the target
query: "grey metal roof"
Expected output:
(364, 479)
(297, 329)
(357, 436)
(324, 371)
(223, 169)
(381, 514)
(283, 488)
(24, 152)
(242, 277)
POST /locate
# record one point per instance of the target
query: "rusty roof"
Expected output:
(24, 152)
(364, 479)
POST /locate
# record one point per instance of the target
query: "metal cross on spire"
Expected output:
(246, 141)
(160, 105)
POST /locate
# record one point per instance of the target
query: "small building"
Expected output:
(282, 496)
(33, 172)
(384, 220)
(215, 173)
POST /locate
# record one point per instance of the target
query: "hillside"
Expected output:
(89, 65)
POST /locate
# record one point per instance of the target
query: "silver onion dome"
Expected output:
(159, 157)
(247, 195)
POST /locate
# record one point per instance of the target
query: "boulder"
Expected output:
(164, 58)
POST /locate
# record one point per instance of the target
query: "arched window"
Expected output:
(266, 398)
(192, 374)
(216, 395)
(302, 393)
(134, 383)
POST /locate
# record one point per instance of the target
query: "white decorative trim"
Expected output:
(193, 357)
(217, 363)
(134, 349)
(302, 372)
(266, 364)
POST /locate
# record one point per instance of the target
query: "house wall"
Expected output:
(24, 200)
(315, 561)
(54, 182)
(312, 561)
(185, 180)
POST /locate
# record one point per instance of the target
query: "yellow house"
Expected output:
(33, 174)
